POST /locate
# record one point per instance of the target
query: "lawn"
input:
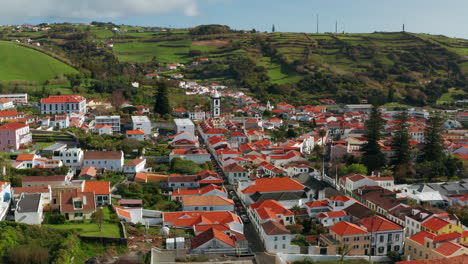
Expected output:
(164, 51)
(21, 63)
(448, 97)
(91, 229)
(278, 73)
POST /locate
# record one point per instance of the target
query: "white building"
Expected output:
(386, 235)
(5, 199)
(110, 160)
(6, 104)
(16, 98)
(196, 115)
(143, 123)
(112, 121)
(135, 166)
(62, 104)
(184, 125)
(29, 209)
(72, 157)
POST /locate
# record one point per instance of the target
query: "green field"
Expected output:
(21, 63)
(279, 73)
(164, 51)
(91, 229)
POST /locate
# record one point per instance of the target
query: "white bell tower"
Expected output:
(215, 105)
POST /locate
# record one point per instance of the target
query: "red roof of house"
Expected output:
(274, 228)
(98, 187)
(191, 218)
(332, 214)
(445, 237)
(378, 223)
(277, 184)
(272, 205)
(66, 201)
(448, 248)
(8, 113)
(419, 237)
(234, 167)
(90, 171)
(57, 99)
(34, 189)
(25, 157)
(347, 229)
(123, 213)
(12, 126)
(135, 132)
(322, 203)
(435, 224)
(134, 162)
(210, 234)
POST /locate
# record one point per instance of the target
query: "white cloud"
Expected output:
(94, 9)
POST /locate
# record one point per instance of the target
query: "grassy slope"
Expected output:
(278, 72)
(165, 51)
(21, 63)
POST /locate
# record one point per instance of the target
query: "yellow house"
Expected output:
(425, 245)
(464, 238)
(439, 226)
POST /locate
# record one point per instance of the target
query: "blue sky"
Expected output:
(421, 16)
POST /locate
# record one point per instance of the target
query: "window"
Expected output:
(284, 237)
(346, 239)
(356, 239)
(409, 248)
(381, 238)
(356, 246)
(397, 237)
(78, 204)
(389, 238)
(284, 246)
(276, 238)
(396, 248)
(276, 246)
(77, 214)
(381, 250)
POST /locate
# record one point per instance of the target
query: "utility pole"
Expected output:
(403, 27)
(317, 23)
(336, 26)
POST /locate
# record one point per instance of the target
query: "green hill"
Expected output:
(22, 63)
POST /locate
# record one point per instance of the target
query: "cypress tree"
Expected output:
(401, 140)
(373, 157)
(433, 150)
(162, 105)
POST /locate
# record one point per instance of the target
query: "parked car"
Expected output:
(245, 218)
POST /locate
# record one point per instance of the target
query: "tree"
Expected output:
(162, 105)
(454, 166)
(273, 28)
(394, 257)
(97, 217)
(354, 168)
(401, 140)
(433, 150)
(322, 133)
(343, 250)
(373, 157)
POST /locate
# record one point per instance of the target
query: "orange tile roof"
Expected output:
(445, 237)
(98, 187)
(206, 200)
(34, 189)
(276, 184)
(191, 218)
(378, 223)
(8, 113)
(274, 228)
(272, 205)
(347, 229)
(12, 126)
(210, 234)
(322, 203)
(332, 214)
(123, 213)
(25, 157)
(435, 224)
(448, 248)
(62, 99)
(91, 171)
(135, 132)
(134, 162)
(419, 237)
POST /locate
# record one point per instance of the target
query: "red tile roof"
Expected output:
(347, 229)
(277, 184)
(274, 228)
(332, 214)
(98, 187)
(378, 223)
(209, 200)
(272, 205)
(210, 234)
(8, 113)
(12, 126)
(135, 132)
(90, 171)
(435, 224)
(448, 248)
(62, 99)
(445, 237)
(66, 201)
(25, 157)
(35, 189)
(54, 178)
(322, 203)
(134, 162)
(101, 155)
(123, 213)
(191, 218)
(419, 237)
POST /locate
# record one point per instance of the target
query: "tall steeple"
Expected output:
(215, 104)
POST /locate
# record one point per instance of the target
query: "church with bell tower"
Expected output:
(215, 105)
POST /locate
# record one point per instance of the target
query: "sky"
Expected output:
(448, 17)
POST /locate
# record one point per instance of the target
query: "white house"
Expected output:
(104, 130)
(386, 235)
(277, 238)
(72, 157)
(135, 166)
(6, 104)
(184, 125)
(142, 123)
(29, 209)
(62, 104)
(5, 199)
(110, 160)
(112, 121)
(137, 134)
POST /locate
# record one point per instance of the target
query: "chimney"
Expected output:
(84, 199)
(372, 174)
(378, 174)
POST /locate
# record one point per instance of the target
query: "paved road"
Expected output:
(255, 244)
